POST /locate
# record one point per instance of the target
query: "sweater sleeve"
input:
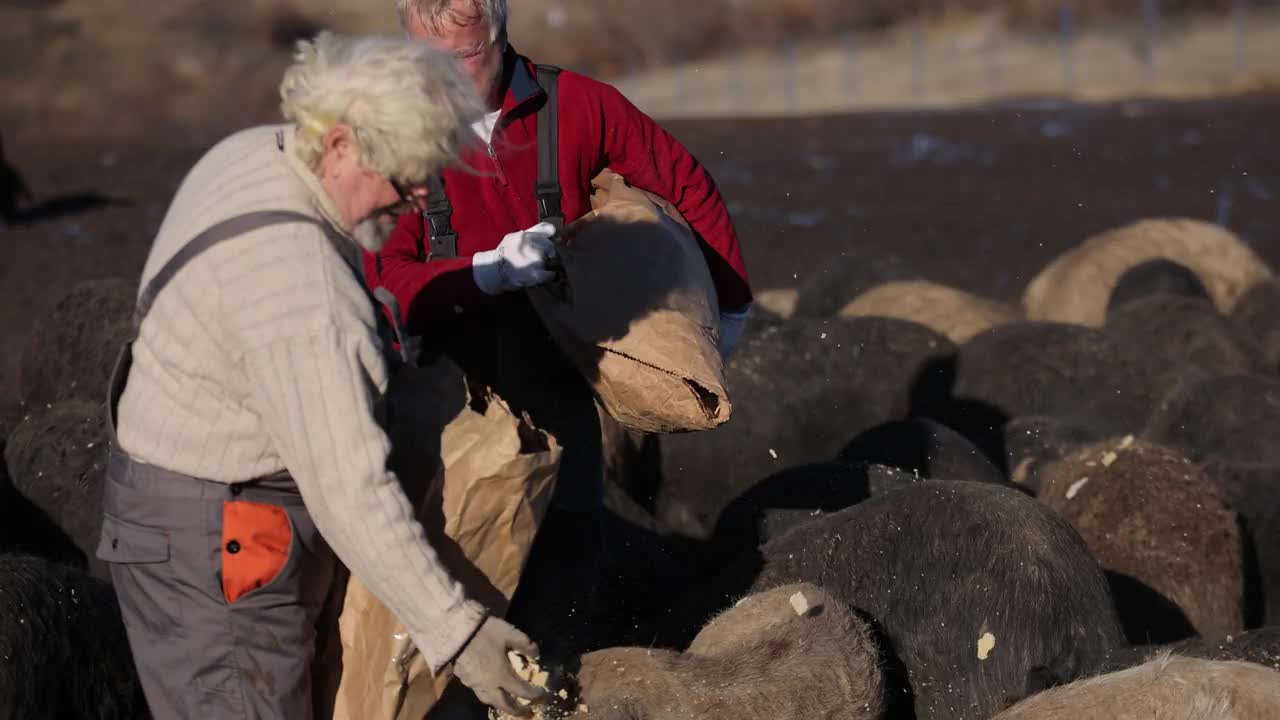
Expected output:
(650, 158)
(315, 387)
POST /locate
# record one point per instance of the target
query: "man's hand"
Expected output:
(519, 261)
(484, 667)
(731, 325)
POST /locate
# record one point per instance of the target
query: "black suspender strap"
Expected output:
(214, 234)
(219, 232)
(548, 187)
(247, 222)
(443, 240)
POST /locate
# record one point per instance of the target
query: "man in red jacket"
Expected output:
(467, 303)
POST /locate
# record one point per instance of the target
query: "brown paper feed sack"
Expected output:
(481, 514)
(637, 312)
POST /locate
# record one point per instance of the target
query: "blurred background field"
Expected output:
(968, 141)
(107, 67)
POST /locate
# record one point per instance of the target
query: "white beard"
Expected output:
(372, 234)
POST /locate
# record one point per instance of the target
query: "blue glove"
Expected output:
(732, 324)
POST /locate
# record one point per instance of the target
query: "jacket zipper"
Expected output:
(493, 155)
(498, 125)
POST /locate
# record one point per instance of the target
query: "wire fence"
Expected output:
(921, 65)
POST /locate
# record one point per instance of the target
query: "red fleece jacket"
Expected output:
(599, 128)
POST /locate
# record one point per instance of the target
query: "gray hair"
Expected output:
(433, 12)
(408, 105)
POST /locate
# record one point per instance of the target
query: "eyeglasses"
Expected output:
(408, 202)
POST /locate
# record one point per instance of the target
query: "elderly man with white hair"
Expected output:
(246, 451)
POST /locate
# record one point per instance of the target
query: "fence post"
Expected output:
(1240, 19)
(917, 57)
(1151, 24)
(993, 52)
(733, 66)
(789, 72)
(850, 79)
(677, 86)
(1067, 26)
(630, 72)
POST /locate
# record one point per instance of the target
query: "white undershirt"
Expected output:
(484, 127)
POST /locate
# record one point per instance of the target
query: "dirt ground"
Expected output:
(983, 198)
(979, 198)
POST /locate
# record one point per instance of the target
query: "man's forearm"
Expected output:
(315, 398)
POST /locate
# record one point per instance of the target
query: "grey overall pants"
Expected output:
(220, 586)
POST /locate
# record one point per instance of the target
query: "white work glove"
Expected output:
(519, 261)
(731, 325)
(484, 667)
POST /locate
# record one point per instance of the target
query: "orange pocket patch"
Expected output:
(255, 546)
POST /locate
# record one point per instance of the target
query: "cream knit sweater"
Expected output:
(262, 354)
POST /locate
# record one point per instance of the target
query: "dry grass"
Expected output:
(639, 33)
(957, 66)
(76, 64)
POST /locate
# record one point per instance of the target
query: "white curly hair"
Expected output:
(433, 12)
(409, 106)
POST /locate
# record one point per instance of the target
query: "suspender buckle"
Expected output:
(444, 241)
(440, 226)
(549, 208)
(443, 245)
